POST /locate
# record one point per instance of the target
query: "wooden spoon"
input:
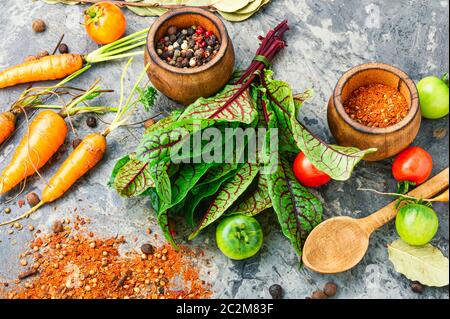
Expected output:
(340, 243)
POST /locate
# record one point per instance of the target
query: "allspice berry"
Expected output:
(32, 199)
(276, 291)
(63, 48)
(39, 26)
(330, 289)
(91, 121)
(417, 287)
(147, 249)
(57, 227)
(318, 294)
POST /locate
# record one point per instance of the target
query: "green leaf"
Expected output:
(337, 161)
(227, 195)
(120, 163)
(147, 97)
(425, 264)
(187, 178)
(214, 173)
(232, 104)
(159, 144)
(133, 178)
(203, 191)
(297, 209)
(256, 202)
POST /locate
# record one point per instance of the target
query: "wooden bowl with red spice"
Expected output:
(375, 105)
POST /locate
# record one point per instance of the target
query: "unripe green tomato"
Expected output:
(416, 224)
(433, 94)
(239, 237)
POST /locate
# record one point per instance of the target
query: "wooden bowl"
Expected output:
(187, 85)
(390, 140)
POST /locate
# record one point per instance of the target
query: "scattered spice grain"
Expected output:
(70, 268)
(376, 105)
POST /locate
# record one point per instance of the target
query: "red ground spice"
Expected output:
(376, 105)
(78, 265)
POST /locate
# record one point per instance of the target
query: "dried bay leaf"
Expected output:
(251, 7)
(231, 5)
(425, 264)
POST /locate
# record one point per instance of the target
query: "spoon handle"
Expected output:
(429, 189)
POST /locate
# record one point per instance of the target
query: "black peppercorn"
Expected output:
(276, 291)
(161, 290)
(91, 121)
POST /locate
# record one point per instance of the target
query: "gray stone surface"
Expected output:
(326, 38)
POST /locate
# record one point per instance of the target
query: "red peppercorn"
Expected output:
(208, 34)
(203, 44)
(162, 40)
(199, 30)
(199, 40)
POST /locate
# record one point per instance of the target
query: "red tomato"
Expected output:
(412, 165)
(307, 174)
(105, 22)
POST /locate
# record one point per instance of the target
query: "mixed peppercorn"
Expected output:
(188, 48)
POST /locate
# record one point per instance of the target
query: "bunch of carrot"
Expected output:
(87, 154)
(55, 67)
(33, 97)
(46, 133)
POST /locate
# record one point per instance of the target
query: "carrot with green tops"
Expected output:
(87, 154)
(45, 135)
(55, 67)
(51, 67)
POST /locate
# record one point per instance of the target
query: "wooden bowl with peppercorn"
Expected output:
(190, 54)
(375, 105)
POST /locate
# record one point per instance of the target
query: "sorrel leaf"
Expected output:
(203, 191)
(120, 163)
(256, 202)
(222, 107)
(158, 144)
(133, 179)
(227, 195)
(187, 178)
(338, 162)
(214, 173)
(297, 209)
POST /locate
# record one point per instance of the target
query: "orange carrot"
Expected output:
(50, 67)
(47, 133)
(7, 125)
(83, 158)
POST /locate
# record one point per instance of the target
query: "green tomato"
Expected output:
(416, 224)
(239, 237)
(433, 94)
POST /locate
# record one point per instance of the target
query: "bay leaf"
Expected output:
(231, 5)
(425, 264)
(251, 7)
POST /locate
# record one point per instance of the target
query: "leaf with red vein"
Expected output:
(232, 104)
(133, 179)
(227, 195)
(297, 209)
(337, 161)
(256, 202)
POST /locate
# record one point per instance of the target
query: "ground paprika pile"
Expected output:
(376, 105)
(77, 264)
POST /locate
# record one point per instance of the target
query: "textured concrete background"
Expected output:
(326, 39)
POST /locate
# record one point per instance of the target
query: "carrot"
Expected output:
(82, 160)
(47, 133)
(85, 156)
(54, 67)
(51, 67)
(7, 125)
